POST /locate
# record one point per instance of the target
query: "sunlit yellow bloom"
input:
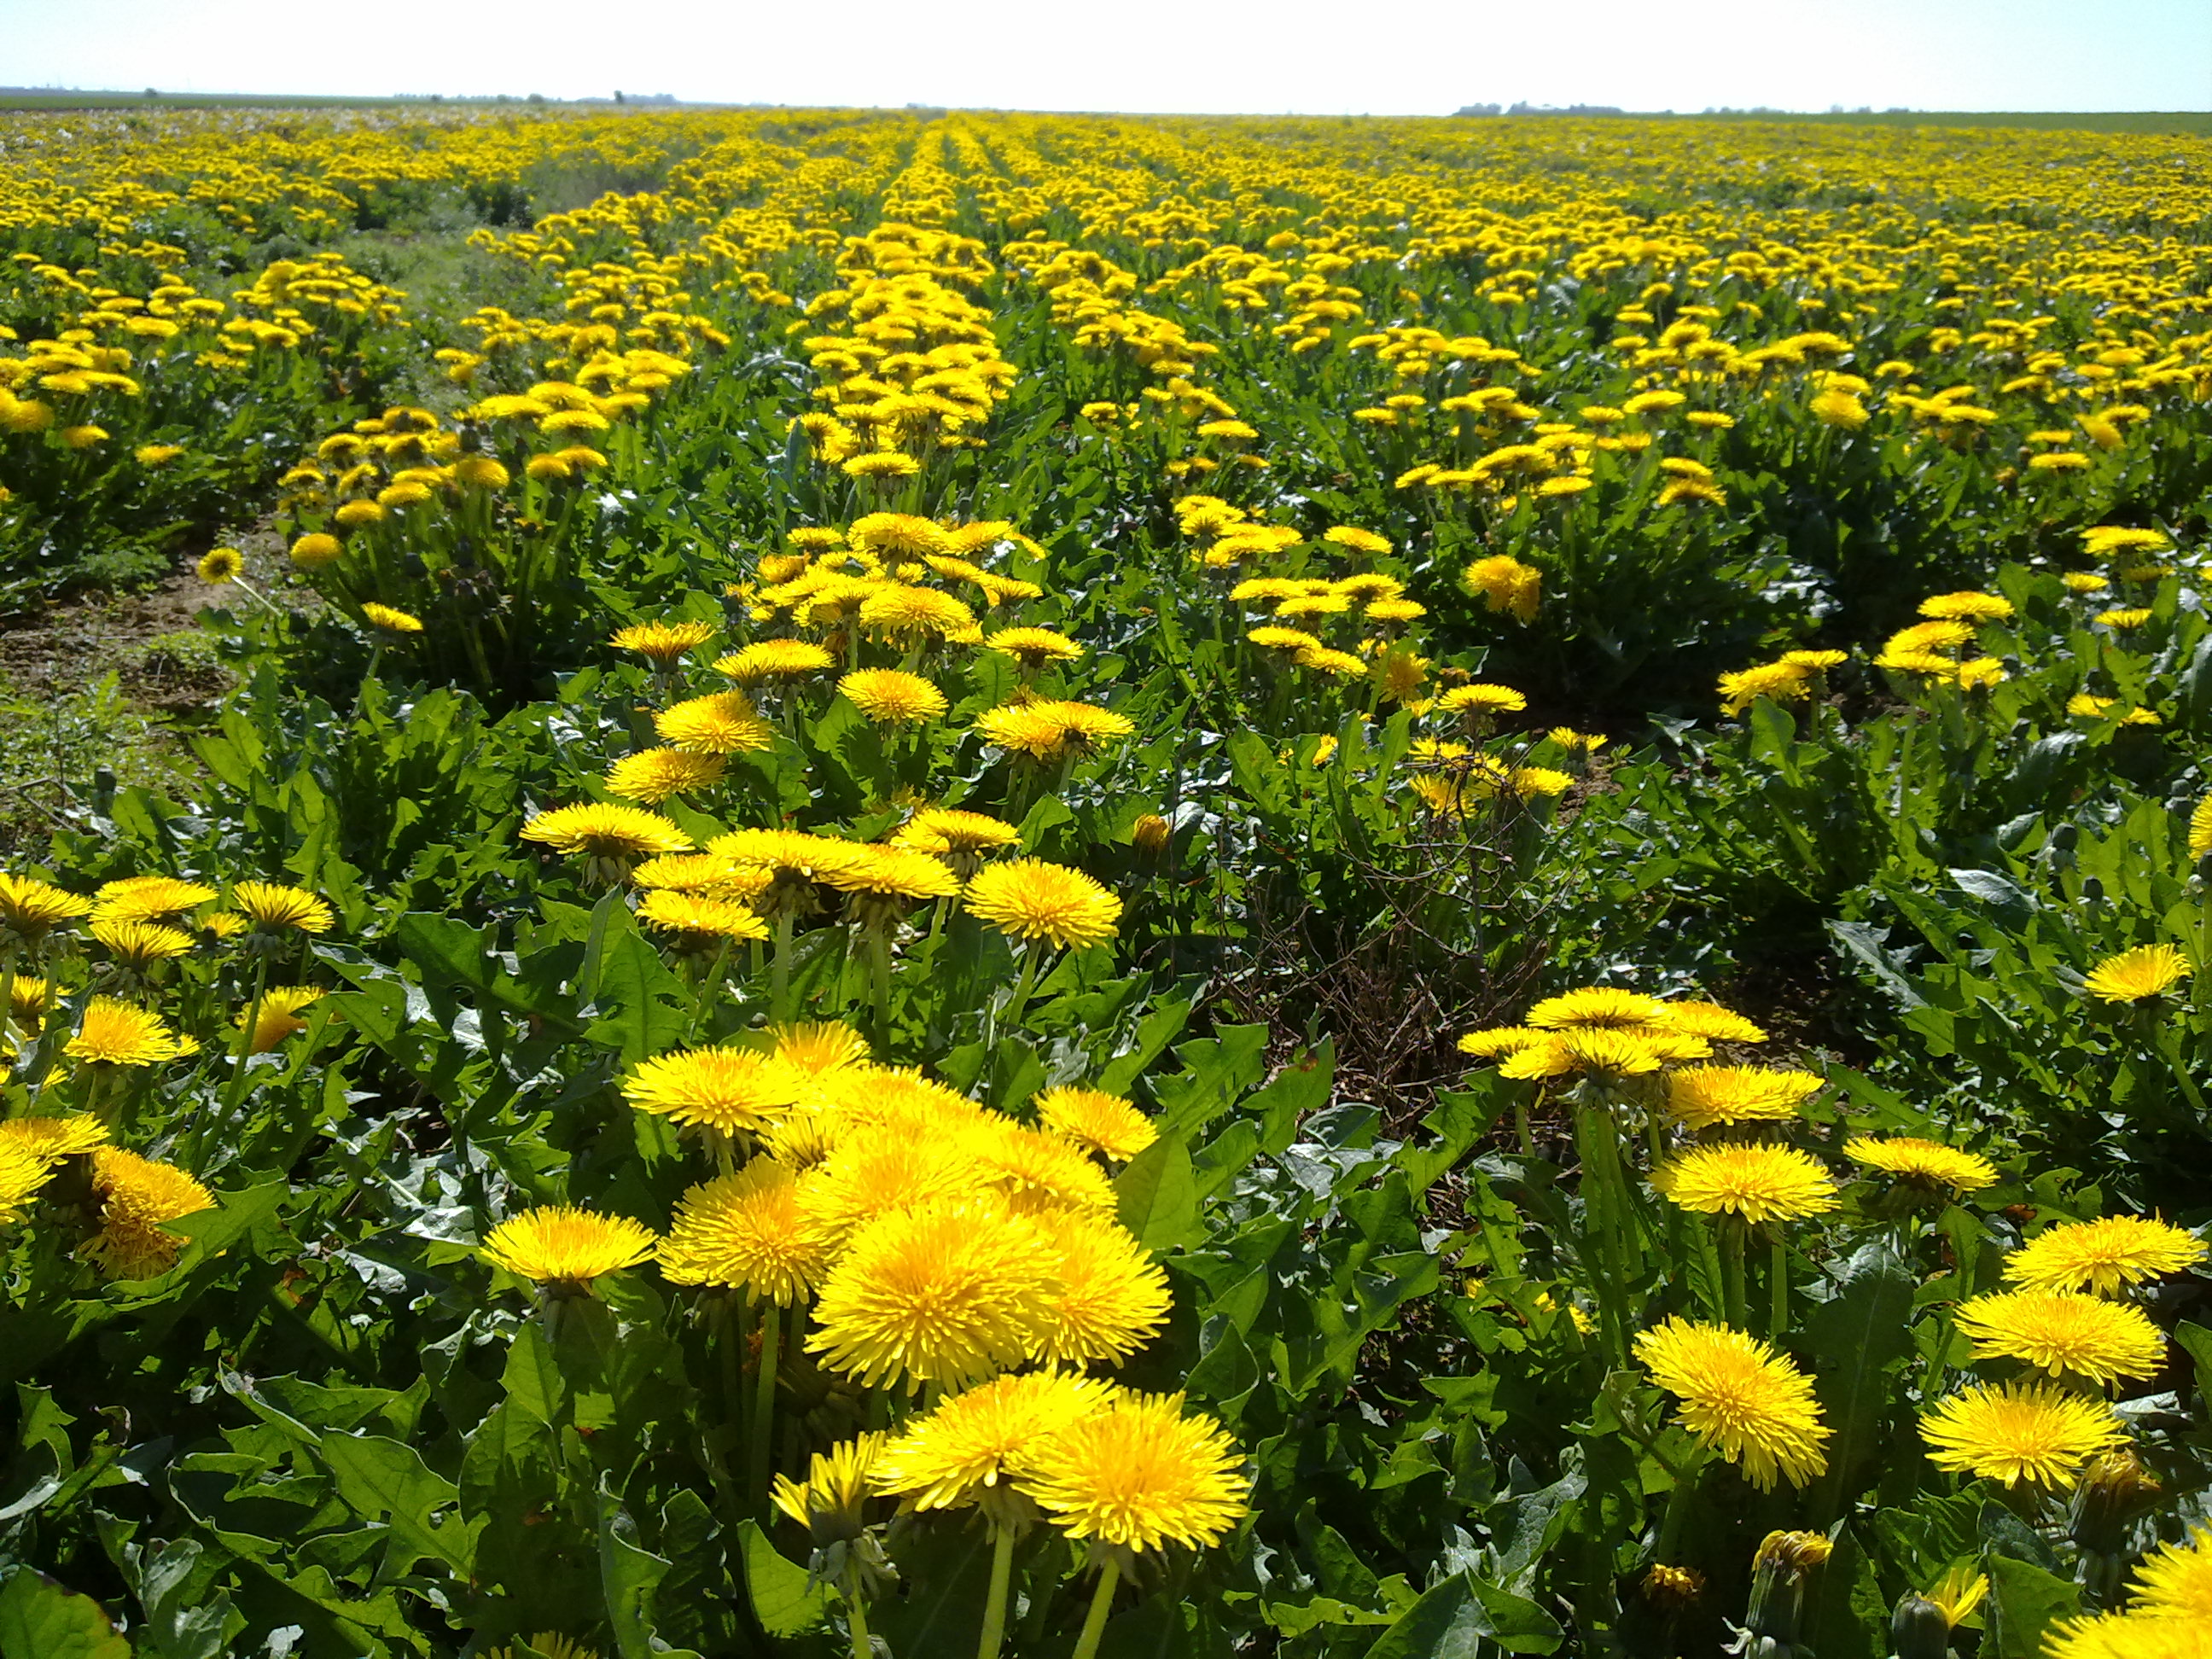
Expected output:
(2175, 1580)
(1030, 899)
(2128, 1635)
(663, 642)
(140, 943)
(947, 1293)
(2136, 975)
(1929, 1162)
(280, 1015)
(563, 1245)
(138, 1199)
(655, 776)
(831, 1503)
(775, 659)
(889, 696)
(220, 566)
(31, 908)
(720, 723)
(1741, 1398)
(732, 1092)
(1033, 647)
(606, 831)
(2012, 1433)
(1106, 1124)
(274, 907)
(117, 1034)
(702, 921)
(148, 899)
(1106, 1297)
(2064, 1332)
(1758, 1183)
(1139, 1474)
(746, 1231)
(956, 1453)
(2103, 1255)
(1702, 1095)
(390, 619)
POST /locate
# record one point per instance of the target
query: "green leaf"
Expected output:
(40, 1619)
(1452, 1620)
(1853, 1337)
(1158, 1195)
(785, 1599)
(376, 1476)
(2025, 1601)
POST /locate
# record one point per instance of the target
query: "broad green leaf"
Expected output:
(41, 1620)
(1157, 1196)
(784, 1599)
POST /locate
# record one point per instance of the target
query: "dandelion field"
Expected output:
(989, 884)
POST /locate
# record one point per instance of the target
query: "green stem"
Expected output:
(1777, 1272)
(994, 1604)
(7, 1003)
(879, 977)
(1678, 1510)
(235, 1092)
(856, 1614)
(1605, 1218)
(1732, 1291)
(780, 983)
(771, 1327)
(1101, 1603)
(1011, 1018)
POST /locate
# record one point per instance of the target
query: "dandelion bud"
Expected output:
(1149, 836)
(1919, 1629)
(1671, 1588)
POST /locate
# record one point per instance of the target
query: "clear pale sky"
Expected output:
(1398, 56)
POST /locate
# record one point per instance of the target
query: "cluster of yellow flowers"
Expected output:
(101, 1009)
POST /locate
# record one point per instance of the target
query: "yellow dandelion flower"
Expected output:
(221, 566)
(1030, 899)
(141, 944)
(2200, 829)
(391, 618)
(31, 908)
(831, 1503)
(2126, 1636)
(1105, 1124)
(1108, 1297)
(702, 922)
(117, 1034)
(273, 908)
(1708, 1020)
(1139, 1475)
(730, 1091)
(1929, 1162)
(607, 831)
(22, 1173)
(2012, 1432)
(1035, 1170)
(563, 1245)
(1603, 1051)
(2064, 1331)
(148, 898)
(1702, 1095)
(816, 1048)
(1033, 647)
(315, 550)
(2102, 1255)
(748, 1231)
(1740, 1399)
(2137, 976)
(949, 830)
(280, 1015)
(138, 1199)
(775, 659)
(1969, 606)
(950, 1293)
(1758, 1183)
(889, 696)
(914, 1155)
(897, 611)
(663, 642)
(654, 775)
(897, 873)
(51, 1139)
(720, 723)
(2175, 1580)
(1598, 1008)
(1480, 698)
(964, 1447)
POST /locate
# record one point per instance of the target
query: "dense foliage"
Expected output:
(1000, 884)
